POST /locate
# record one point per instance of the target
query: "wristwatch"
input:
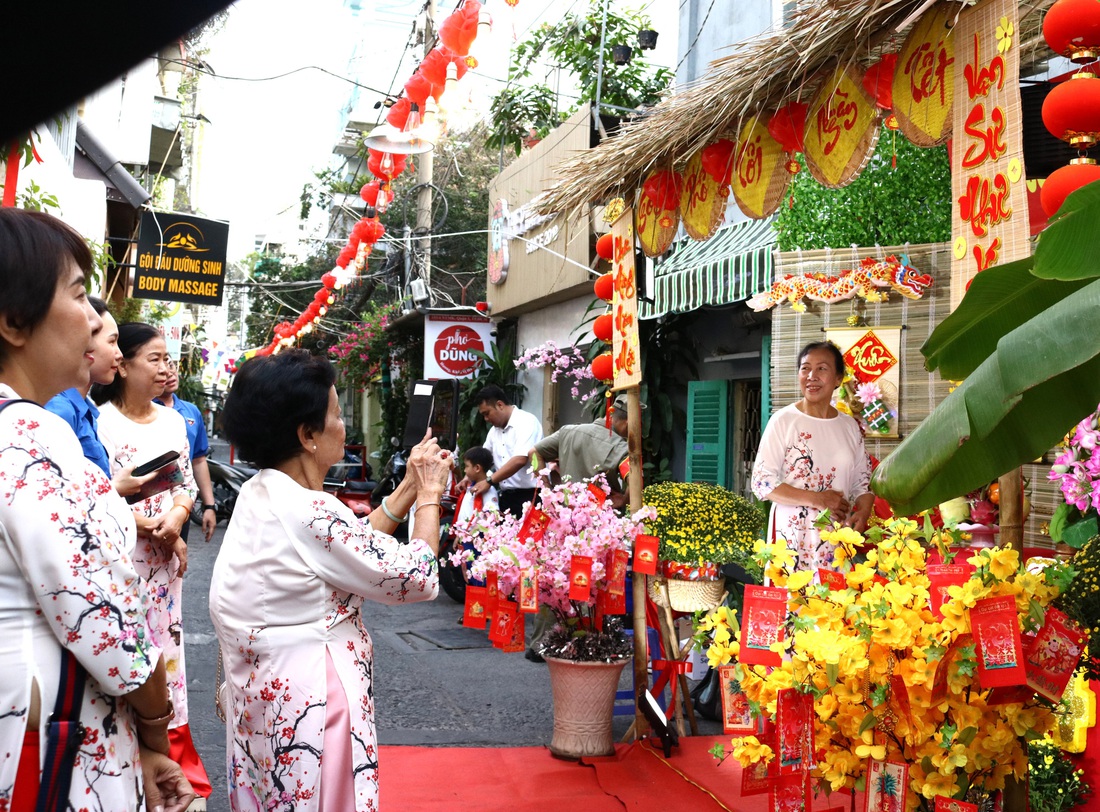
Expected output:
(206, 507)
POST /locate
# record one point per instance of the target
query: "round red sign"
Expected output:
(454, 350)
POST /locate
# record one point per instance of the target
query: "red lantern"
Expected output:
(878, 81)
(434, 66)
(322, 295)
(717, 161)
(418, 88)
(602, 327)
(329, 280)
(1072, 29)
(788, 126)
(605, 246)
(663, 189)
(1065, 180)
(399, 113)
(605, 287)
(1071, 111)
(460, 29)
(376, 164)
(372, 230)
(603, 368)
(346, 256)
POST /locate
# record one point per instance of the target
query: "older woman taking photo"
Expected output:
(812, 459)
(72, 609)
(289, 590)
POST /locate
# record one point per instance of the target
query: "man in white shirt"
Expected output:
(512, 434)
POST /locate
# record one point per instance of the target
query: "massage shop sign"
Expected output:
(989, 222)
(181, 258)
(452, 344)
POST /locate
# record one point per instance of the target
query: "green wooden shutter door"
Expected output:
(707, 441)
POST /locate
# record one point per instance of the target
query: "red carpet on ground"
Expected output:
(637, 778)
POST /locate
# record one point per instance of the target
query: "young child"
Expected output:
(477, 462)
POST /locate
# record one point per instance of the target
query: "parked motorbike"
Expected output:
(352, 481)
(227, 481)
(451, 579)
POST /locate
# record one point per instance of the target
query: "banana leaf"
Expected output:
(1043, 377)
(1002, 298)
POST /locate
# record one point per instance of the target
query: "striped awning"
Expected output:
(733, 265)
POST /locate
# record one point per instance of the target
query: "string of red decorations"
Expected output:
(603, 367)
(440, 69)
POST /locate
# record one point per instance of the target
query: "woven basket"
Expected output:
(693, 596)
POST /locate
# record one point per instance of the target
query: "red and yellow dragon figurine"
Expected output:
(865, 281)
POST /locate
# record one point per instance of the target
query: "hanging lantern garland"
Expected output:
(440, 68)
(603, 367)
(1070, 111)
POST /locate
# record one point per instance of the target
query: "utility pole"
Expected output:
(425, 168)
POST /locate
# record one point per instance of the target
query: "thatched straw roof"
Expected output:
(759, 75)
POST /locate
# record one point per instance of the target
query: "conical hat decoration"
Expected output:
(703, 201)
(924, 79)
(655, 221)
(842, 126)
(760, 175)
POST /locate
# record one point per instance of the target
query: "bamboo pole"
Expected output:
(634, 487)
(1011, 511)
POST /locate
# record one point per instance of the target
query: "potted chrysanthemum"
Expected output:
(566, 556)
(701, 527)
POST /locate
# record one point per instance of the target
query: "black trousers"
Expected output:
(513, 499)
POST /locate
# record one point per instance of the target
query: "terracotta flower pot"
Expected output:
(584, 701)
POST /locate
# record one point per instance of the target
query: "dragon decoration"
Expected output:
(870, 280)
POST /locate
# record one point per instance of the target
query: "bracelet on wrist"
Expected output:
(167, 717)
(206, 507)
(389, 513)
(428, 504)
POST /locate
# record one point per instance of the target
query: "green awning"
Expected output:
(731, 266)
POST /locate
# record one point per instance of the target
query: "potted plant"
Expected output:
(700, 527)
(568, 555)
(890, 671)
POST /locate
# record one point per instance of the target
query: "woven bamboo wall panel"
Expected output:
(920, 390)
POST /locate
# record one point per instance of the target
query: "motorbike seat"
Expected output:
(359, 485)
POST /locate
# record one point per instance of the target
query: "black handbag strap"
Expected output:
(64, 732)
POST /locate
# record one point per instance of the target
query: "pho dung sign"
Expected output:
(181, 258)
(450, 344)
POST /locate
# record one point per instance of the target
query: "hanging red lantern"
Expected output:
(1065, 180)
(1072, 29)
(377, 164)
(603, 368)
(605, 246)
(1071, 111)
(371, 231)
(878, 81)
(458, 31)
(399, 113)
(788, 126)
(435, 64)
(347, 254)
(717, 161)
(603, 326)
(663, 189)
(418, 88)
(605, 287)
(329, 280)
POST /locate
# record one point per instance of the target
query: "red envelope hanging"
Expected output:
(517, 641)
(474, 615)
(940, 578)
(1051, 658)
(794, 730)
(996, 631)
(597, 493)
(887, 785)
(939, 681)
(737, 718)
(500, 632)
(645, 554)
(616, 572)
(608, 604)
(580, 578)
(534, 525)
(529, 590)
(756, 779)
(765, 612)
(788, 793)
(832, 579)
(945, 804)
(492, 595)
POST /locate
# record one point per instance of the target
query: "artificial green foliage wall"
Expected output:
(885, 205)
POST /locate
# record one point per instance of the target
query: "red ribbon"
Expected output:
(668, 669)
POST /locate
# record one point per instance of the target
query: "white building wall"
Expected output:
(558, 323)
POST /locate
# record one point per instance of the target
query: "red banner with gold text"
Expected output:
(625, 352)
(989, 217)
